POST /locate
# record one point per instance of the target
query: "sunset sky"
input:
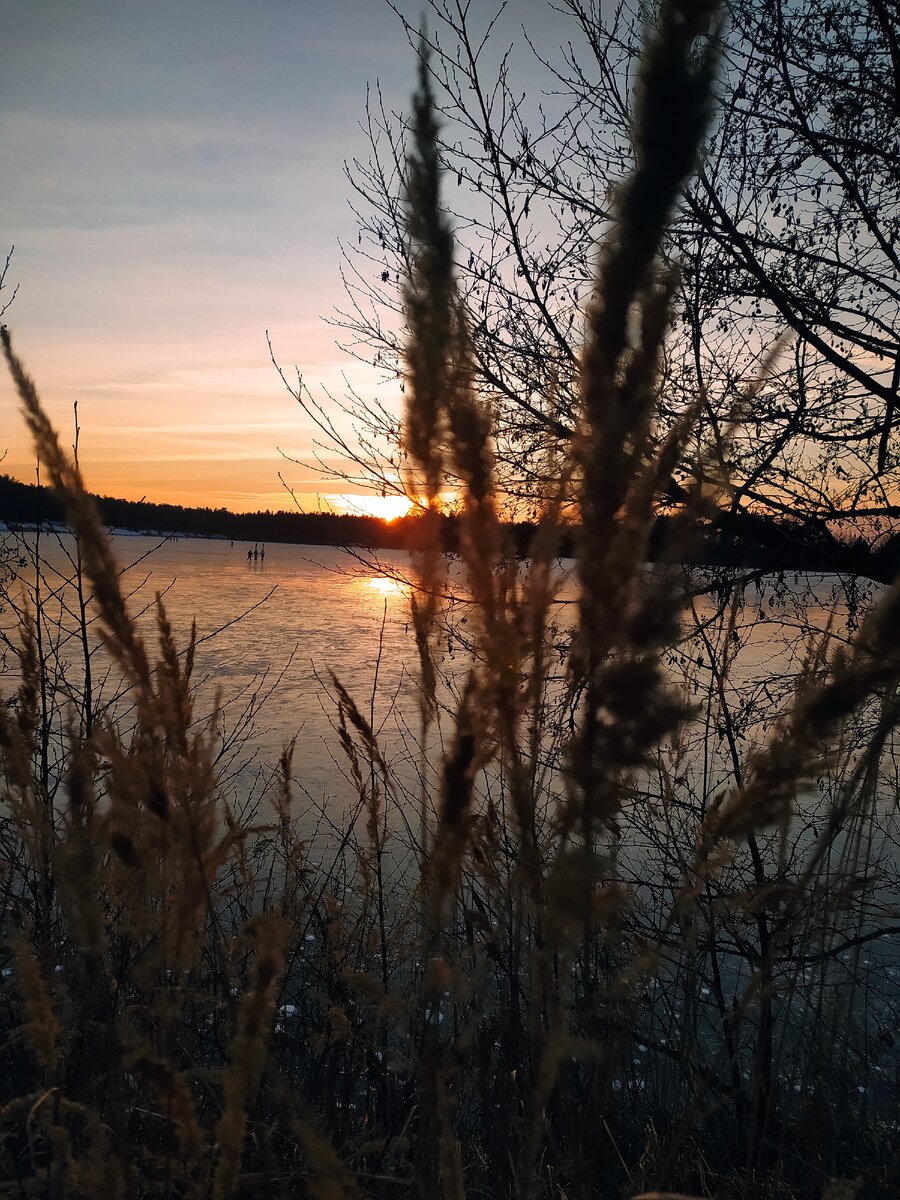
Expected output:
(173, 184)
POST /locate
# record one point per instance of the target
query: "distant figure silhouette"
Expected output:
(249, 556)
(262, 553)
(255, 554)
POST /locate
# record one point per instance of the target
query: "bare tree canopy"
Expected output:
(787, 238)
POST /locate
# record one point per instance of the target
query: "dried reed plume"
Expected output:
(42, 1027)
(99, 563)
(626, 706)
(247, 1054)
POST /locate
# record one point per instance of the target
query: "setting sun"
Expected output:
(388, 508)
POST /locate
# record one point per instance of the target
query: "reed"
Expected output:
(631, 947)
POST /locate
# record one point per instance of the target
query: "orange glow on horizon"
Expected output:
(387, 508)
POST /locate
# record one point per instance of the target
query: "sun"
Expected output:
(388, 508)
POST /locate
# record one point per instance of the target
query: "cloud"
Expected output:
(173, 181)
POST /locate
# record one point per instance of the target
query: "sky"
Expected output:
(173, 183)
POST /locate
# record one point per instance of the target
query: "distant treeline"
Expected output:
(751, 540)
(27, 504)
(738, 540)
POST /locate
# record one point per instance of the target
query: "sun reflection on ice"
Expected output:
(387, 585)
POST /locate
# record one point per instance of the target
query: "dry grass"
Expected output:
(636, 952)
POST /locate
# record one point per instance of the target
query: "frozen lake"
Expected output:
(270, 630)
(289, 619)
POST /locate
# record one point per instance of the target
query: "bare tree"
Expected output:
(788, 236)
